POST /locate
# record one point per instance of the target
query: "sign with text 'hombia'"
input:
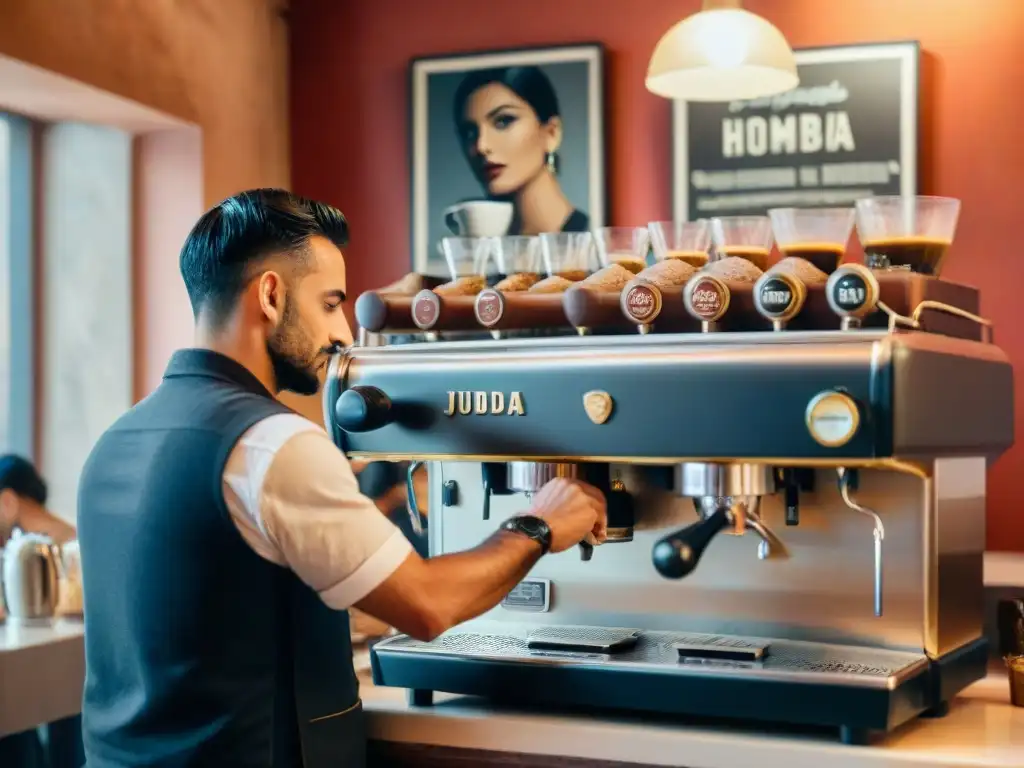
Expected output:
(848, 130)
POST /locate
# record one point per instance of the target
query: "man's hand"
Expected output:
(424, 598)
(572, 509)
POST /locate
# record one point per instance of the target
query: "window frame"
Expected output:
(20, 182)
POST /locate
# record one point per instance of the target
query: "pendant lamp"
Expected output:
(722, 53)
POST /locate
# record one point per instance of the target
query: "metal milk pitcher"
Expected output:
(31, 581)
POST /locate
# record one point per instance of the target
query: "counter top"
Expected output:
(42, 671)
(15, 636)
(981, 729)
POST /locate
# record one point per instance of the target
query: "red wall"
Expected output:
(350, 113)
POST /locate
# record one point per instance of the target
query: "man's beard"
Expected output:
(295, 360)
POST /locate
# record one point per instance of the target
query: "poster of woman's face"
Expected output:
(506, 143)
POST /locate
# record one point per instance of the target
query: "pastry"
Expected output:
(463, 286)
(611, 278)
(553, 284)
(734, 268)
(668, 274)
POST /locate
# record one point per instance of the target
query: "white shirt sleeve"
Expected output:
(295, 500)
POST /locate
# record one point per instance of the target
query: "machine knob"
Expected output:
(832, 418)
(779, 297)
(852, 291)
(362, 409)
(677, 554)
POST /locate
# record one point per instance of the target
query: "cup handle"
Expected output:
(452, 222)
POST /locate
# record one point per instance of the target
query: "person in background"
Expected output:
(23, 502)
(509, 126)
(23, 495)
(223, 537)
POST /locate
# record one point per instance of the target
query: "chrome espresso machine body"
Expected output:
(796, 516)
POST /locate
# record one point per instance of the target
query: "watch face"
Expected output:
(531, 526)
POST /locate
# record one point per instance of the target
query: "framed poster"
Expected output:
(522, 127)
(848, 130)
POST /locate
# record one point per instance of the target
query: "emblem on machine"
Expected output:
(481, 403)
(598, 405)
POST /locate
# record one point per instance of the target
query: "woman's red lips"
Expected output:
(493, 170)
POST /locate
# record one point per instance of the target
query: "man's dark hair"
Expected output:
(18, 474)
(229, 242)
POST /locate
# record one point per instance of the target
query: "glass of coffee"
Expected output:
(748, 237)
(818, 235)
(570, 255)
(1010, 625)
(468, 256)
(686, 241)
(518, 253)
(519, 262)
(625, 246)
(907, 232)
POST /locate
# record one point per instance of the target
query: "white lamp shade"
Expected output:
(722, 55)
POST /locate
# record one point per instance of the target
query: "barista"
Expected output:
(223, 537)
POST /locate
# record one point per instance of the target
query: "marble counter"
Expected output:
(982, 729)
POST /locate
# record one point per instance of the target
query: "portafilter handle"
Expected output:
(677, 555)
(586, 550)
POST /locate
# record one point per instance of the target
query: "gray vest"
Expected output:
(198, 651)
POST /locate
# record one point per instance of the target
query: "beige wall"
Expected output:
(220, 64)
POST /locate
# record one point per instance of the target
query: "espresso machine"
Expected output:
(796, 485)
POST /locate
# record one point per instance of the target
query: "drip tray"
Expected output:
(724, 648)
(583, 639)
(676, 653)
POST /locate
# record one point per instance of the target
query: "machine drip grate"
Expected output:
(486, 645)
(658, 651)
(601, 639)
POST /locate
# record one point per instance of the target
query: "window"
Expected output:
(85, 297)
(17, 334)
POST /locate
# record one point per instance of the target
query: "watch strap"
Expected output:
(532, 527)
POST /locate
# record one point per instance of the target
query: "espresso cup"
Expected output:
(912, 233)
(479, 218)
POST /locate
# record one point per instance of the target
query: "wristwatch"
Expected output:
(532, 527)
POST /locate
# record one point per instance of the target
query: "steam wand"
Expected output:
(410, 491)
(845, 481)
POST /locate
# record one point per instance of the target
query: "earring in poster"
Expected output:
(552, 162)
